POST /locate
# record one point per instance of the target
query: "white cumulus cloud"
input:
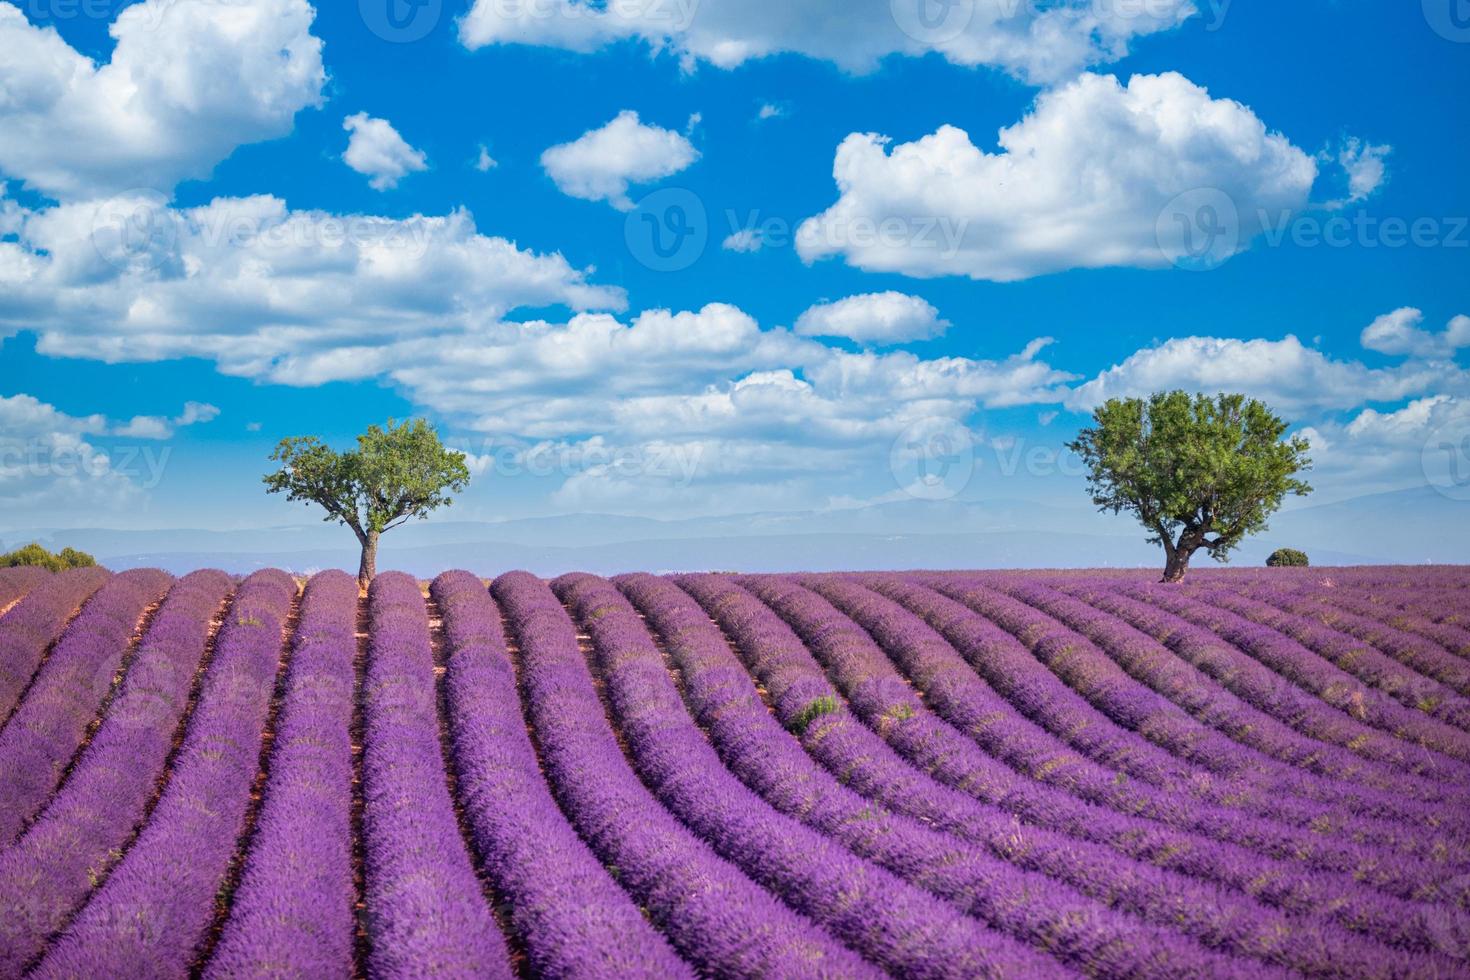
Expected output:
(1037, 42)
(1088, 180)
(375, 150)
(601, 164)
(874, 318)
(188, 82)
(1402, 333)
(1287, 374)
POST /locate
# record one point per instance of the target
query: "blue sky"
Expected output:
(519, 306)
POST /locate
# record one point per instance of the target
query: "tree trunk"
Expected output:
(367, 570)
(1177, 566)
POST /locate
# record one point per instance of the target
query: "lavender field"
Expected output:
(1255, 774)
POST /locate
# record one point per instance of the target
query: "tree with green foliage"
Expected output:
(1197, 472)
(34, 554)
(397, 474)
(1288, 558)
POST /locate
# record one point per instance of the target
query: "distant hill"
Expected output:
(1405, 527)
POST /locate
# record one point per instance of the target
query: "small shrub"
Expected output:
(1288, 558)
(37, 556)
(816, 708)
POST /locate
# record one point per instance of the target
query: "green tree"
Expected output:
(34, 554)
(1197, 472)
(397, 474)
(1288, 558)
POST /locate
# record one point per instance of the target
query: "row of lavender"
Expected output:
(934, 775)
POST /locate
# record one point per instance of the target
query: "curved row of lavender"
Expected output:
(292, 913)
(154, 909)
(68, 691)
(567, 908)
(48, 873)
(426, 912)
(32, 625)
(924, 774)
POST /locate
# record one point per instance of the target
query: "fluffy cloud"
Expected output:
(1098, 175)
(1037, 42)
(157, 427)
(377, 151)
(601, 164)
(1365, 167)
(874, 318)
(747, 241)
(1402, 333)
(188, 82)
(299, 297)
(1285, 373)
(52, 463)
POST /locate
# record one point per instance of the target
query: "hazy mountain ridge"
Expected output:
(1406, 527)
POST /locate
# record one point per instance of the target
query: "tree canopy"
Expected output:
(398, 473)
(34, 554)
(1198, 472)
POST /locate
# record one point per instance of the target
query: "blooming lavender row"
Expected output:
(907, 762)
(292, 914)
(1044, 912)
(1404, 652)
(1208, 809)
(716, 917)
(50, 870)
(897, 926)
(1408, 612)
(48, 727)
(1280, 647)
(569, 913)
(153, 911)
(1090, 672)
(1001, 659)
(17, 583)
(1344, 747)
(880, 694)
(427, 912)
(1270, 754)
(1253, 782)
(1419, 609)
(28, 630)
